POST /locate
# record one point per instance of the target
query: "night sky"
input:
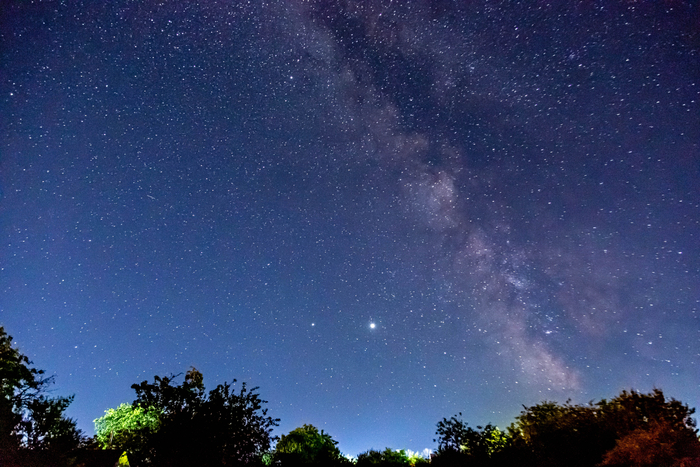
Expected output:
(380, 212)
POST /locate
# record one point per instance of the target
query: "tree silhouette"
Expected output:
(660, 444)
(550, 434)
(307, 446)
(461, 444)
(33, 427)
(385, 458)
(224, 427)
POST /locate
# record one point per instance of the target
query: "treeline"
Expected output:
(181, 424)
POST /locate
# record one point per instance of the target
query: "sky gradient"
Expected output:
(381, 213)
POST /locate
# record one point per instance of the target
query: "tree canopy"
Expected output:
(181, 425)
(631, 430)
(460, 443)
(386, 458)
(33, 426)
(127, 428)
(609, 431)
(308, 446)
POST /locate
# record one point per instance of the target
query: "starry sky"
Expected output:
(380, 212)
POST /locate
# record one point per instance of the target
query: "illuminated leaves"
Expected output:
(121, 427)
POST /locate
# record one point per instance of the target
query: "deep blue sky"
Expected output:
(509, 191)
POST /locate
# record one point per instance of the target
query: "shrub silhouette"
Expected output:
(307, 446)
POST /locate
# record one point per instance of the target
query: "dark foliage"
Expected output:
(33, 427)
(630, 430)
(223, 428)
(96, 458)
(658, 445)
(385, 458)
(307, 446)
(549, 434)
(460, 444)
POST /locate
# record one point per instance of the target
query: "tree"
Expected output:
(307, 446)
(33, 427)
(550, 434)
(416, 458)
(224, 427)
(459, 443)
(658, 445)
(127, 428)
(386, 458)
(632, 410)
